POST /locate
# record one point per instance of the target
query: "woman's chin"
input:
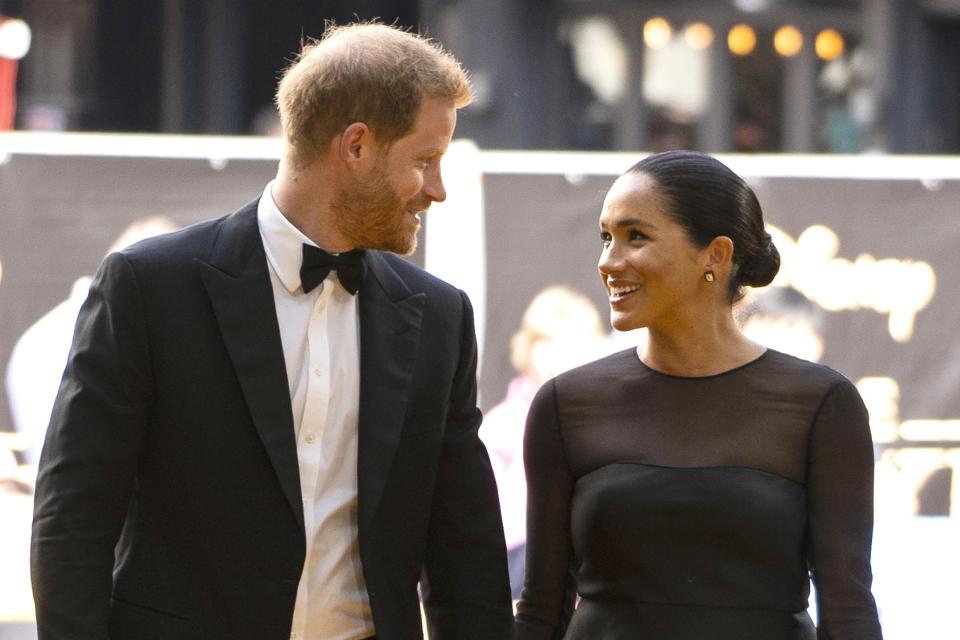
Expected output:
(624, 322)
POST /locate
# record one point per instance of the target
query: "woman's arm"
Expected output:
(840, 507)
(549, 589)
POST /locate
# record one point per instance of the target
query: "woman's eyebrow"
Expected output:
(635, 222)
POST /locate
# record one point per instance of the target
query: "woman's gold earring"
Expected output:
(708, 276)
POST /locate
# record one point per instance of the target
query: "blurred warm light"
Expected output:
(14, 38)
(698, 35)
(657, 33)
(788, 41)
(935, 430)
(829, 44)
(741, 39)
(601, 57)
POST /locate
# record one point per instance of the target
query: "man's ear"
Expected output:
(355, 144)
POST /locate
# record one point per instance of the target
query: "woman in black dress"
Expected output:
(689, 489)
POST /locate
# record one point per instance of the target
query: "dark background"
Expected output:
(210, 66)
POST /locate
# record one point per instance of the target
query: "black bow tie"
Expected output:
(351, 268)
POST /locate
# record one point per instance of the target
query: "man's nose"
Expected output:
(433, 187)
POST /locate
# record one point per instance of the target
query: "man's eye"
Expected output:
(637, 235)
(604, 238)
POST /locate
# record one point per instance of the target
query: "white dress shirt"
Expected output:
(320, 333)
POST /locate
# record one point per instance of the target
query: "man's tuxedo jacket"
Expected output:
(168, 502)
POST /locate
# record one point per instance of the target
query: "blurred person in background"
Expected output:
(39, 356)
(267, 428)
(560, 329)
(689, 489)
(784, 319)
(16, 506)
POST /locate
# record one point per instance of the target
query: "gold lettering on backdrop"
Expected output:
(898, 288)
(904, 468)
(881, 394)
(901, 474)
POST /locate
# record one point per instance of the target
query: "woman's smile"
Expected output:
(619, 293)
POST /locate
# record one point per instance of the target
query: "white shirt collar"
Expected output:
(281, 240)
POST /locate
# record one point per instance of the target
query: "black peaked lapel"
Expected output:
(238, 283)
(390, 318)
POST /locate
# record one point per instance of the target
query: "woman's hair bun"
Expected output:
(760, 268)
(707, 199)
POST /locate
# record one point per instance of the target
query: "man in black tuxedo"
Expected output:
(267, 428)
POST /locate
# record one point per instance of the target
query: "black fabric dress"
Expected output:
(698, 508)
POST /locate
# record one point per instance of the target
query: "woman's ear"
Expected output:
(719, 255)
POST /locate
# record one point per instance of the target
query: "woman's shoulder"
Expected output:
(584, 391)
(593, 381)
(802, 376)
(616, 364)
(792, 364)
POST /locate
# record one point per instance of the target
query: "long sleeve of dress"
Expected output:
(549, 591)
(840, 509)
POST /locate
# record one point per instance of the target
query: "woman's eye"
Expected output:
(604, 238)
(637, 235)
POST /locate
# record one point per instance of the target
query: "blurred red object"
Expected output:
(8, 93)
(14, 44)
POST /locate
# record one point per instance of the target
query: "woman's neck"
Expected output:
(709, 346)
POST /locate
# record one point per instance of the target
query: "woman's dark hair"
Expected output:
(708, 200)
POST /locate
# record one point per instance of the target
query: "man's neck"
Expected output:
(303, 197)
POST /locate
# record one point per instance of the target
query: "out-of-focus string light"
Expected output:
(698, 35)
(752, 6)
(657, 33)
(741, 39)
(14, 38)
(829, 44)
(788, 41)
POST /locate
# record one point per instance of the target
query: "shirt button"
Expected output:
(318, 371)
(311, 437)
